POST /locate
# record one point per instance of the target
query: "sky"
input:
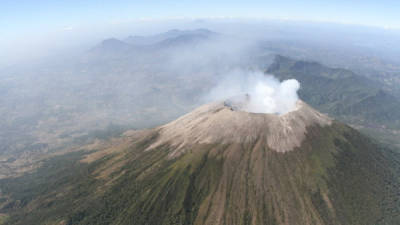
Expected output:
(25, 15)
(28, 23)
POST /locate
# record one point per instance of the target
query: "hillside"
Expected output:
(174, 34)
(343, 94)
(175, 175)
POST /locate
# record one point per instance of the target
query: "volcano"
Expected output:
(228, 123)
(221, 165)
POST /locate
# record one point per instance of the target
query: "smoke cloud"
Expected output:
(264, 93)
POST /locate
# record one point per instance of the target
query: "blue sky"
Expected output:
(44, 25)
(19, 16)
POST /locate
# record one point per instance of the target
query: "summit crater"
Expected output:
(226, 123)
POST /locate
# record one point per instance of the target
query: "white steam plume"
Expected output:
(266, 93)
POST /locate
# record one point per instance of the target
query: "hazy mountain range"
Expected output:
(144, 81)
(344, 95)
(72, 153)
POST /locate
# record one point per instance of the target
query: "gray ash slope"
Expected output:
(220, 166)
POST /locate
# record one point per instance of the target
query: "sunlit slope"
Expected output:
(334, 176)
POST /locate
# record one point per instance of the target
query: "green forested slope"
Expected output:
(344, 95)
(340, 92)
(337, 176)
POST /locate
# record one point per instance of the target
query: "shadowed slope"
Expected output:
(333, 176)
(340, 93)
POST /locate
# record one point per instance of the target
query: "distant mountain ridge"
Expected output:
(341, 93)
(172, 38)
(112, 44)
(171, 34)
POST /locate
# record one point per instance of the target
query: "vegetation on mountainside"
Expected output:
(337, 176)
(344, 95)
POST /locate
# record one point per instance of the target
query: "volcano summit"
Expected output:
(220, 165)
(227, 122)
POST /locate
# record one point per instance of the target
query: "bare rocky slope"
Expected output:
(224, 123)
(219, 165)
